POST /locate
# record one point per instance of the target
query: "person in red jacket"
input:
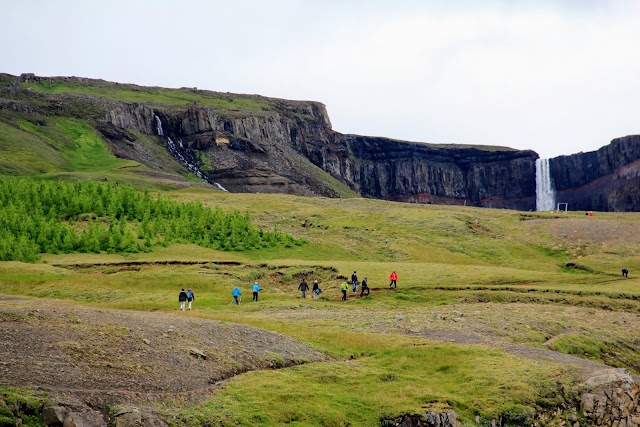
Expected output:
(393, 279)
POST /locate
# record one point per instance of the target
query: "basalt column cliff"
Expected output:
(603, 180)
(424, 173)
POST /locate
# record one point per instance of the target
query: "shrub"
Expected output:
(50, 217)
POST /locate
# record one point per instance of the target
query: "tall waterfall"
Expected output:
(545, 196)
(184, 155)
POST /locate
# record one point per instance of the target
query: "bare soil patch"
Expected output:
(112, 356)
(592, 230)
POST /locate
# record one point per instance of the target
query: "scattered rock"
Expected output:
(128, 417)
(54, 415)
(608, 376)
(84, 419)
(153, 421)
(146, 341)
(199, 354)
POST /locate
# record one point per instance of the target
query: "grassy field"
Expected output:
(223, 102)
(472, 283)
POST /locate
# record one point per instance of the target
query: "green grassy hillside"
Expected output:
(68, 148)
(477, 289)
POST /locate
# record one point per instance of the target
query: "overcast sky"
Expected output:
(554, 76)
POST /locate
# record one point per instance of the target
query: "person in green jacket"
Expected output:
(343, 288)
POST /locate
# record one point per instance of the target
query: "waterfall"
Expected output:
(545, 196)
(159, 126)
(184, 155)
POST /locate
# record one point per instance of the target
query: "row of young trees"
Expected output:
(38, 216)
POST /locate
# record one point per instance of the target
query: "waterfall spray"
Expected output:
(545, 196)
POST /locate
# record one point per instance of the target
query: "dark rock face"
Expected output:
(422, 173)
(251, 153)
(603, 180)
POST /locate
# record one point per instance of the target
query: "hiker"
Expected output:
(364, 286)
(236, 294)
(190, 297)
(255, 289)
(354, 281)
(393, 279)
(625, 272)
(182, 297)
(315, 292)
(303, 287)
(343, 287)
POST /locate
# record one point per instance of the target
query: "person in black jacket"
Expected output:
(315, 292)
(182, 297)
(303, 287)
(364, 286)
(354, 282)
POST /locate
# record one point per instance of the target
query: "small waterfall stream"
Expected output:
(545, 195)
(184, 155)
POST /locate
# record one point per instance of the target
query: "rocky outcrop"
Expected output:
(603, 180)
(430, 419)
(608, 397)
(611, 398)
(77, 415)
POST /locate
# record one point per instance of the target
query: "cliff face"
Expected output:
(271, 151)
(413, 172)
(242, 153)
(603, 180)
(256, 144)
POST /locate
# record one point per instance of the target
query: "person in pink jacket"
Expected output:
(393, 279)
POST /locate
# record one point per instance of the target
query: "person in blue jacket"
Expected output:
(236, 294)
(190, 297)
(255, 289)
